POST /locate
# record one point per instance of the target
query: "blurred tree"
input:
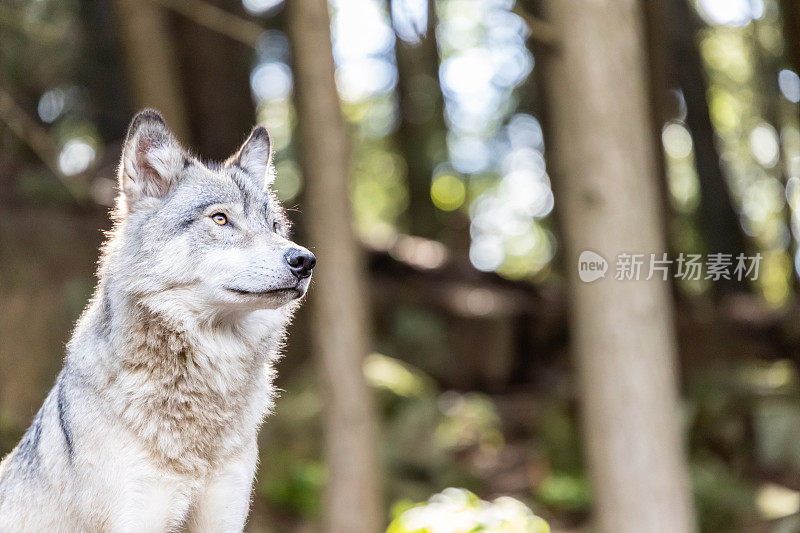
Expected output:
(152, 64)
(340, 328)
(109, 102)
(603, 168)
(421, 132)
(790, 14)
(718, 217)
(195, 62)
(215, 71)
(675, 63)
(662, 102)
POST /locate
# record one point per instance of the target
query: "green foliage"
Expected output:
(296, 487)
(559, 436)
(292, 474)
(378, 190)
(470, 420)
(393, 375)
(566, 492)
(742, 418)
(723, 499)
(460, 511)
(412, 408)
(421, 335)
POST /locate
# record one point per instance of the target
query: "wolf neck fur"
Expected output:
(193, 390)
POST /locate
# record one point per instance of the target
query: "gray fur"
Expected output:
(152, 423)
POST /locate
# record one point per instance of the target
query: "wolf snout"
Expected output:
(300, 262)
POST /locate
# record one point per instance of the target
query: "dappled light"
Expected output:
(459, 511)
(731, 12)
(75, 156)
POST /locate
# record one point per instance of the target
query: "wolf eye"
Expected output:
(276, 226)
(219, 218)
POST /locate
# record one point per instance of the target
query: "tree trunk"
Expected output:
(151, 62)
(790, 13)
(215, 71)
(421, 132)
(719, 219)
(659, 66)
(101, 73)
(340, 322)
(603, 169)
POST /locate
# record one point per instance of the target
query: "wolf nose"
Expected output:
(300, 262)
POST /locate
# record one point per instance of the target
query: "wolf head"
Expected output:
(208, 238)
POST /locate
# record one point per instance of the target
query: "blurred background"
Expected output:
(459, 255)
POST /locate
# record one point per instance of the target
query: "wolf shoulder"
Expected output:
(38, 474)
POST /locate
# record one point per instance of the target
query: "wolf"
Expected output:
(152, 422)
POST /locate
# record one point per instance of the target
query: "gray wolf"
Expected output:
(152, 423)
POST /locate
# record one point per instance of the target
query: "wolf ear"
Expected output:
(152, 159)
(255, 156)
